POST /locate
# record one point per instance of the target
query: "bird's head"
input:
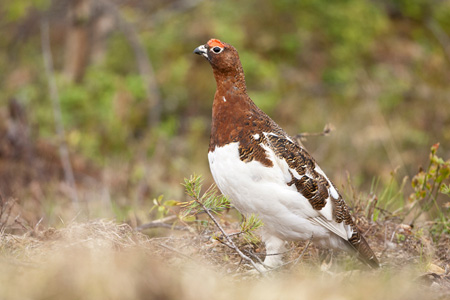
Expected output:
(223, 57)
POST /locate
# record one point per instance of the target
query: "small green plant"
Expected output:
(212, 204)
(388, 200)
(248, 227)
(163, 208)
(209, 199)
(400, 237)
(428, 185)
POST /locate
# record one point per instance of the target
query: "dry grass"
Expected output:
(105, 260)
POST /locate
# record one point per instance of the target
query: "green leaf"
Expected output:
(171, 203)
(189, 218)
(162, 209)
(444, 173)
(445, 189)
(375, 214)
(400, 237)
(248, 226)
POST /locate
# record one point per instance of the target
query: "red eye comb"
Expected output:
(213, 43)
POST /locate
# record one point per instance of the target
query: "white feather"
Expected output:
(255, 188)
(337, 228)
(332, 189)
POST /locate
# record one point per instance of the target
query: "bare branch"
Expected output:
(142, 62)
(59, 127)
(293, 262)
(230, 242)
(440, 35)
(326, 131)
(165, 219)
(78, 40)
(175, 251)
(161, 225)
(301, 254)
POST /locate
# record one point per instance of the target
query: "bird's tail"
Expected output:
(363, 251)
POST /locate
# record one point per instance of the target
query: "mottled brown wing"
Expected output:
(313, 184)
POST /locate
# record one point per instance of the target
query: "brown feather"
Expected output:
(237, 119)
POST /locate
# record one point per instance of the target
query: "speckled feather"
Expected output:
(263, 146)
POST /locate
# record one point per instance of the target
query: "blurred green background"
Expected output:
(136, 103)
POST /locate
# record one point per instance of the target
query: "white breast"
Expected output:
(255, 188)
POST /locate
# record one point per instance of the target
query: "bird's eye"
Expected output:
(217, 50)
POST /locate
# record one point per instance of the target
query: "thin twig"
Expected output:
(440, 35)
(172, 10)
(63, 149)
(371, 93)
(175, 251)
(38, 223)
(157, 223)
(235, 233)
(303, 252)
(229, 240)
(254, 255)
(147, 74)
(295, 261)
(326, 131)
(220, 240)
(143, 64)
(274, 254)
(166, 219)
(162, 220)
(385, 242)
(160, 225)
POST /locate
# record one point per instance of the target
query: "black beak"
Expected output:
(201, 50)
(198, 51)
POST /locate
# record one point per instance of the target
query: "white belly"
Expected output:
(254, 188)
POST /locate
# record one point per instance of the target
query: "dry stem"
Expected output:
(63, 149)
(230, 242)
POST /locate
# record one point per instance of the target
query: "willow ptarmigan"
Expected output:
(264, 171)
